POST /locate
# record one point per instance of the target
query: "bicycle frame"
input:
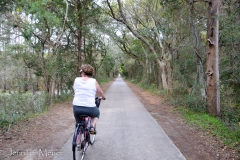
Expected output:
(83, 128)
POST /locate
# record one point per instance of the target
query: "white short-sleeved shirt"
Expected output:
(84, 92)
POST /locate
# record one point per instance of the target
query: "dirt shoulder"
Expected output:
(43, 136)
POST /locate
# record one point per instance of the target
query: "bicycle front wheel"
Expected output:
(92, 136)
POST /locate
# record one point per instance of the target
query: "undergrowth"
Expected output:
(14, 107)
(20, 106)
(213, 125)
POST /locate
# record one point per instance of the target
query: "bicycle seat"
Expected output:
(83, 115)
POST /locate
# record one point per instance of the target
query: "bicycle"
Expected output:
(83, 137)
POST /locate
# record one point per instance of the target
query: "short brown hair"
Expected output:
(87, 69)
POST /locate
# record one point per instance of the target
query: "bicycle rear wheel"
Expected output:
(80, 144)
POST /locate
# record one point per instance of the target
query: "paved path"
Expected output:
(126, 131)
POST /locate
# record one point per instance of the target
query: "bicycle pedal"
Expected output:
(92, 132)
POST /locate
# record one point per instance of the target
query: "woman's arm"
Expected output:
(100, 91)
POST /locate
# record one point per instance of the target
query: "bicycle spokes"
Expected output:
(82, 138)
(92, 138)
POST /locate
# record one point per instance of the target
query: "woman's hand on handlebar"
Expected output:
(102, 98)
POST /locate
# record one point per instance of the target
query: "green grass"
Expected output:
(213, 125)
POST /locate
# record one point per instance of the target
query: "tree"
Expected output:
(212, 70)
(195, 38)
(149, 29)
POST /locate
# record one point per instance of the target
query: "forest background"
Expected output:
(162, 45)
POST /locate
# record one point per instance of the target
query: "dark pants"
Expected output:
(90, 111)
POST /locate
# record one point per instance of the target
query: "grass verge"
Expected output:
(213, 125)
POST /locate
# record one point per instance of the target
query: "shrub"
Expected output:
(17, 106)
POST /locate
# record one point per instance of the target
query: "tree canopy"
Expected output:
(160, 43)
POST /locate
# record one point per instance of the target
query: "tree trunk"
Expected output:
(79, 7)
(53, 86)
(212, 87)
(4, 86)
(162, 66)
(26, 80)
(169, 75)
(4, 82)
(45, 77)
(200, 71)
(201, 79)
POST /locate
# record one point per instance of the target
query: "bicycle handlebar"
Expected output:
(98, 101)
(101, 98)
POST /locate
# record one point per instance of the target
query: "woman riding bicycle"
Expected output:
(85, 89)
